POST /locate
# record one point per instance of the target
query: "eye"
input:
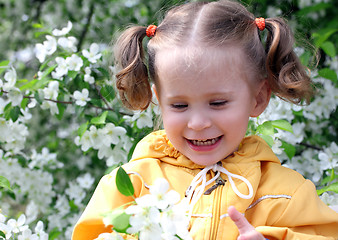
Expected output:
(218, 103)
(179, 106)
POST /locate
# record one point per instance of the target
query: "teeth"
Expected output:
(207, 142)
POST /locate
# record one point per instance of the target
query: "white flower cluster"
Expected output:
(145, 118)
(101, 139)
(156, 216)
(316, 162)
(14, 94)
(62, 216)
(64, 65)
(26, 180)
(51, 92)
(45, 158)
(19, 229)
(13, 135)
(325, 102)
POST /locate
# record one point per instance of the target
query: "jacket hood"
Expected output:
(157, 145)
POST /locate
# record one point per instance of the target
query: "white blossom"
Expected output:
(61, 69)
(68, 43)
(10, 78)
(48, 47)
(18, 225)
(63, 31)
(142, 118)
(329, 157)
(7, 230)
(85, 181)
(28, 235)
(111, 134)
(162, 198)
(74, 62)
(93, 54)
(75, 192)
(81, 98)
(15, 96)
(51, 92)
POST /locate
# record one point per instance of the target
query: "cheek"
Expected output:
(171, 120)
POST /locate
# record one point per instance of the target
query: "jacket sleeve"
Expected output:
(105, 198)
(304, 217)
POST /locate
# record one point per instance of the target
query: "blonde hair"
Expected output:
(211, 24)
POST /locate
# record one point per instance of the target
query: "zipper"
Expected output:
(216, 212)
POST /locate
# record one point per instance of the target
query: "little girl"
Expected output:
(210, 74)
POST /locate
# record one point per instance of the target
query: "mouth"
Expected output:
(204, 142)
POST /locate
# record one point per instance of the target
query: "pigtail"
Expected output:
(132, 81)
(286, 75)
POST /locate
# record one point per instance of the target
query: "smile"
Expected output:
(204, 142)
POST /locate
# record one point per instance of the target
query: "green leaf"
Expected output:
(61, 108)
(289, 149)
(82, 129)
(322, 35)
(266, 128)
(312, 8)
(119, 219)
(282, 124)
(104, 72)
(37, 25)
(54, 234)
(48, 71)
(24, 103)
(2, 235)
(329, 48)
(29, 85)
(14, 113)
(328, 74)
(268, 139)
(4, 183)
(108, 92)
(11, 112)
(333, 188)
(100, 119)
(38, 98)
(3, 66)
(113, 117)
(305, 58)
(123, 183)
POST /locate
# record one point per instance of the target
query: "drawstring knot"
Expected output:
(195, 191)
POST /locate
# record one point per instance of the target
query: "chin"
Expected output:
(204, 161)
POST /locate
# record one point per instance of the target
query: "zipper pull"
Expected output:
(219, 182)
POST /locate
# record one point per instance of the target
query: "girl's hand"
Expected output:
(246, 230)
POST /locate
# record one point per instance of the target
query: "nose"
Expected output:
(199, 121)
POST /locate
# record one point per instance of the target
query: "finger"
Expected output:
(242, 224)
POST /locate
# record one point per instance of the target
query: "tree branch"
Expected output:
(310, 146)
(102, 97)
(86, 27)
(70, 102)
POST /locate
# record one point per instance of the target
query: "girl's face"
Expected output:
(206, 97)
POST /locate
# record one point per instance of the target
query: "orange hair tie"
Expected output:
(260, 23)
(150, 31)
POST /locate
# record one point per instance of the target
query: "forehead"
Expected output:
(192, 61)
(201, 72)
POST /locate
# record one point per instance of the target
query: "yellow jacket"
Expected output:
(284, 205)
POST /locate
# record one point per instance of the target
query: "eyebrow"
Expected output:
(213, 94)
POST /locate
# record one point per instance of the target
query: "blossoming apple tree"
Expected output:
(62, 125)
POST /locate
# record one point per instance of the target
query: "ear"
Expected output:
(262, 98)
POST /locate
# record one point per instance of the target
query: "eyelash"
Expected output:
(219, 103)
(179, 106)
(213, 104)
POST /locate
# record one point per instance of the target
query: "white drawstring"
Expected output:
(194, 192)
